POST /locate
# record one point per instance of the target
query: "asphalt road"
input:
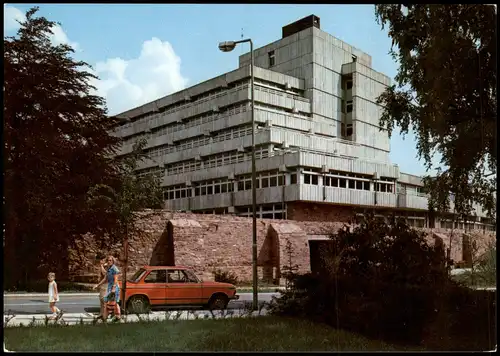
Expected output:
(26, 304)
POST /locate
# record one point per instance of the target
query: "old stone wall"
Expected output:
(208, 242)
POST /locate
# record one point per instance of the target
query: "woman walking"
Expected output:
(102, 287)
(113, 290)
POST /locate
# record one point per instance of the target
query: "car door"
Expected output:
(182, 289)
(155, 284)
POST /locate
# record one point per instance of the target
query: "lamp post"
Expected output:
(228, 46)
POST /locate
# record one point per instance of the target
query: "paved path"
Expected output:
(29, 304)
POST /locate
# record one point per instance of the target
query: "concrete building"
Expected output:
(320, 151)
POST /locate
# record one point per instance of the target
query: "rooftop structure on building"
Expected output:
(318, 140)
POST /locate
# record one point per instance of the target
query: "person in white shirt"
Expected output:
(53, 295)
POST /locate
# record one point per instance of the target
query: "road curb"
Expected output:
(45, 294)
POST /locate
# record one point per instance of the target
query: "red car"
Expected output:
(174, 286)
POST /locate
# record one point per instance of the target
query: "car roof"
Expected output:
(164, 267)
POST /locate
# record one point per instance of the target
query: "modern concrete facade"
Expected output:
(318, 138)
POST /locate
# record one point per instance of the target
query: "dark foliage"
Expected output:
(56, 148)
(446, 91)
(225, 276)
(380, 279)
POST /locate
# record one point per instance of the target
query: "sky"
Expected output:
(141, 52)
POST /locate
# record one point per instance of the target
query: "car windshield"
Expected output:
(137, 275)
(192, 277)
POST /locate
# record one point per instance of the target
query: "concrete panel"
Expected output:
(366, 87)
(327, 80)
(365, 134)
(310, 159)
(326, 104)
(295, 123)
(411, 179)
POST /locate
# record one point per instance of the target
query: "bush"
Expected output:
(225, 277)
(380, 279)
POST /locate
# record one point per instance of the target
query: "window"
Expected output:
(348, 108)
(307, 179)
(359, 185)
(293, 178)
(176, 276)
(349, 130)
(354, 58)
(156, 276)
(366, 185)
(352, 184)
(265, 182)
(271, 58)
(281, 180)
(314, 180)
(342, 183)
(273, 181)
(349, 84)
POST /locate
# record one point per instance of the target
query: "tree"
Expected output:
(446, 91)
(56, 148)
(134, 193)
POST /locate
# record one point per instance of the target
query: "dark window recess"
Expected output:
(273, 181)
(203, 191)
(257, 184)
(248, 184)
(349, 107)
(281, 180)
(165, 196)
(183, 193)
(354, 58)
(177, 194)
(359, 185)
(210, 190)
(352, 184)
(271, 59)
(241, 186)
(171, 195)
(223, 188)
(293, 179)
(265, 182)
(197, 191)
(230, 187)
(366, 185)
(267, 216)
(326, 181)
(342, 183)
(349, 130)
(307, 179)
(315, 180)
(349, 84)
(278, 216)
(268, 208)
(217, 189)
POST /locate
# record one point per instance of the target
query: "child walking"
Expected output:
(53, 295)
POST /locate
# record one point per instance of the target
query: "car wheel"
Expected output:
(218, 301)
(138, 305)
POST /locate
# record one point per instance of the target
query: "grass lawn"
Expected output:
(239, 334)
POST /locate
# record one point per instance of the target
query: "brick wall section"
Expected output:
(207, 242)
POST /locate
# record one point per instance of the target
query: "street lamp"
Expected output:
(228, 46)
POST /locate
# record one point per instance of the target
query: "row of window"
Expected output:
(154, 118)
(180, 105)
(217, 186)
(347, 183)
(198, 141)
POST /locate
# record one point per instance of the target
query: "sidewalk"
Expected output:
(87, 318)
